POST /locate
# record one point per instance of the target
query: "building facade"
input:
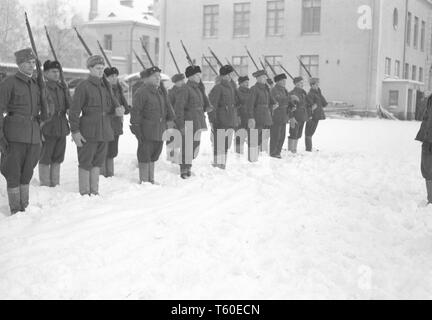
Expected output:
(366, 52)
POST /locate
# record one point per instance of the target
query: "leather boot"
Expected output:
(308, 142)
(94, 181)
(429, 190)
(144, 172)
(25, 196)
(14, 197)
(55, 174)
(84, 182)
(102, 169)
(109, 168)
(152, 172)
(184, 171)
(295, 144)
(44, 175)
(290, 145)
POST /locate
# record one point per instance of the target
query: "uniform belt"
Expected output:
(14, 114)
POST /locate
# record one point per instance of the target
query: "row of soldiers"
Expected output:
(95, 120)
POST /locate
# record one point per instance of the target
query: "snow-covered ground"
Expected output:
(340, 223)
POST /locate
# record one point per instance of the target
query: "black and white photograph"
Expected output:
(209, 150)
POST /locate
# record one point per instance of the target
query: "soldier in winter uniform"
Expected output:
(20, 134)
(173, 94)
(151, 116)
(190, 118)
(90, 119)
(259, 106)
(107, 168)
(223, 117)
(280, 116)
(56, 130)
(243, 94)
(300, 115)
(318, 103)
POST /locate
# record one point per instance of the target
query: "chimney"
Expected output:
(127, 3)
(94, 10)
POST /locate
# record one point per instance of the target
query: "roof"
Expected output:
(122, 14)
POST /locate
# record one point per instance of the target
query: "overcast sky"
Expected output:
(83, 6)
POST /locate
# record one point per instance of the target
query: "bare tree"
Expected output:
(13, 35)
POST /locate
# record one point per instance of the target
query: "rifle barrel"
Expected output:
(81, 39)
(250, 56)
(210, 65)
(173, 58)
(147, 53)
(270, 66)
(188, 57)
(304, 67)
(286, 71)
(104, 54)
(139, 60)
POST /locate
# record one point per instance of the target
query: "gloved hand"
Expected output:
(293, 122)
(275, 106)
(314, 107)
(120, 111)
(251, 123)
(4, 145)
(78, 139)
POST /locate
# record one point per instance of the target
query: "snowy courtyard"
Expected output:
(341, 223)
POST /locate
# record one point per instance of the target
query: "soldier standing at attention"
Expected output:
(20, 134)
(107, 169)
(190, 118)
(300, 115)
(223, 117)
(243, 93)
(56, 130)
(151, 116)
(280, 116)
(318, 103)
(90, 119)
(173, 94)
(259, 108)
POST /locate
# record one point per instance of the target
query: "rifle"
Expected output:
(286, 71)
(304, 67)
(235, 71)
(188, 57)
(119, 87)
(210, 65)
(147, 53)
(173, 58)
(250, 56)
(270, 66)
(139, 60)
(216, 58)
(62, 78)
(45, 112)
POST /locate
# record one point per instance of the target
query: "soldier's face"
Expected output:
(245, 84)
(300, 85)
(97, 71)
(155, 79)
(53, 74)
(315, 86)
(196, 77)
(262, 79)
(282, 83)
(113, 79)
(180, 83)
(28, 67)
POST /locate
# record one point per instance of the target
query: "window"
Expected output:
(240, 63)
(395, 18)
(275, 17)
(108, 40)
(408, 29)
(397, 68)
(420, 74)
(312, 64)
(414, 73)
(311, 17)
(406, 71)
(416, 32)
(387, 70)
(146, 41)
(394, 98)
(156, 50)
(274, 62)
(211, 20)
(422, 36)
(241, 19)
(207, 72)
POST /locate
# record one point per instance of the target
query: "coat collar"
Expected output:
(243, 89)
(52, 84)
(192, 84)
(24, 77)
(95, 80)
(151, 88)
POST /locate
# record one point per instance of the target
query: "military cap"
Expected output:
(151, 71)
(111, 71)
(297, 80)
(280, 77)
(259, 73)
(192, 70)
(95, 60)
(225, 70)
(243, 79)
(313, 81)
(24, 55)
(48, 65)
(178, 77)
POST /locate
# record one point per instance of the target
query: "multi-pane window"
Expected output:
(406, 71)
(394, 98)
(408, 29)
(311, 16)
(422, 36)
(108, 40)
(274, 61)
(397, 68)
(387, 70)
(241, 19)
(416, 32)
(275, 17)
(414, 73)
(241, 64)
(211, 20)
(312, 64)
(207, 72)
(421, 74)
